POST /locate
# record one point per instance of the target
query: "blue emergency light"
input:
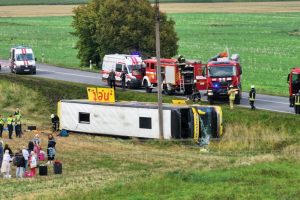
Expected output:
(216, 85)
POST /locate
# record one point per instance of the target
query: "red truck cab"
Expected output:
(216, 77)
(176, 76)
(294, 84)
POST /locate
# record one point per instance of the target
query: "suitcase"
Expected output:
(57, 167)
(28, 174)
(43, 170)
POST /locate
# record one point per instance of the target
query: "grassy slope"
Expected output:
(268, 43)
(114, 168)
(259, 181)
(51, 2)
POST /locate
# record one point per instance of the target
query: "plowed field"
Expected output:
(249, 7)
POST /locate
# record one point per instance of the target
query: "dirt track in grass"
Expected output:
(247, 7)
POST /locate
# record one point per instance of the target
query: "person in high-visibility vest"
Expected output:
(252, 94)
(231, 94)
(297, 103)
(10, 125)
(18, 125)
(1, 125)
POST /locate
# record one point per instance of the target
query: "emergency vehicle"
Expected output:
(217, 75)
(294, 87)
(22, 60)
(130, 64)
(176, 76)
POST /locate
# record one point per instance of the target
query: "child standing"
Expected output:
(37, 145)
(51, 149)
(20, 161)
(25, 154)
(5, 168)
(32, 163)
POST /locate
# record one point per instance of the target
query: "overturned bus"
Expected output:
(138, 119)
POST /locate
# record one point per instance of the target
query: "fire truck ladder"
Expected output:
(181, 84)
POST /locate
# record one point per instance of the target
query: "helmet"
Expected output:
(252, 86)
(231, 86)
(52, 116)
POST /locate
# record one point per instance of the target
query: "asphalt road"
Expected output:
(264, 102)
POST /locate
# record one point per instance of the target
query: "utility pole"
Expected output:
(158, 70)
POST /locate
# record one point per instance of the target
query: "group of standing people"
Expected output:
(13, 122)
(252, 96)
(26, 159)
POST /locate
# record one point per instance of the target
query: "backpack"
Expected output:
(17, 160)
(64, 133)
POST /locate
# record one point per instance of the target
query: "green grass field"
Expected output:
(260, 151)
(267, 43)
(48, 35)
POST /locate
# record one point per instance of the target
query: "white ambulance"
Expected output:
(130, 64)
(22, 60)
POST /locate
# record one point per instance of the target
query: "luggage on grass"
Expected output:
(57, 167)
(28, 174)
(43, 170)
(64, 133)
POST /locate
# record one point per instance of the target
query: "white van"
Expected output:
(22, 60)
(130, 64)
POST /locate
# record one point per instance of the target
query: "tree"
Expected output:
(121, 26)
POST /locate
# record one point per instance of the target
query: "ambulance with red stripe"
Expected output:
(130, 64)
(217, 75)
(22, 60)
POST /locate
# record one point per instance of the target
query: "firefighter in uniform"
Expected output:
(252, 94)
(231, 94)
(297, 103)
(1, 125)
(10, 125)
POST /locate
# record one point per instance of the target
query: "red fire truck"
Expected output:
(217, 75)
(294, 86)
(177, 75)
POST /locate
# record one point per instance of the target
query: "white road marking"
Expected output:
(272, 101)
(69, 74)
(267, 109)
